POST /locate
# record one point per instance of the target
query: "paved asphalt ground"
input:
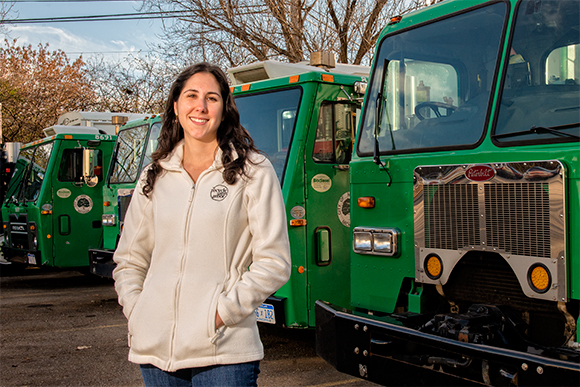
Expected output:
(63, 328)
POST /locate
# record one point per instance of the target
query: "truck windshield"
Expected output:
(542, 81)
(128, 153)
(29, 173)
(431, 85)
(270, 119)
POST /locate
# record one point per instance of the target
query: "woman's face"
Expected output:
(200, 107)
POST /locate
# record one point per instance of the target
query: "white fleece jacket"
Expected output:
(190, 250)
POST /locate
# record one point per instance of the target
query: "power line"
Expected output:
(114, 17)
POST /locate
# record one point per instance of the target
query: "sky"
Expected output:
(112, 39)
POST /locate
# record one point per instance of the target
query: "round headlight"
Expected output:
(433, 266)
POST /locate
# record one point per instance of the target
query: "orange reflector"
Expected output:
(327, 78)
(301, 269)
(366, 202)
(48, 236)
(46, 212)
(294, 78)
(4, 225)
(298, 222)
(246, 87)
(106, 204)
(68, 136)
(539, 277)
(32, 228)
(433, 267)
(232, 89)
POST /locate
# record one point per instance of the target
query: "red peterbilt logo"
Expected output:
(480, 173)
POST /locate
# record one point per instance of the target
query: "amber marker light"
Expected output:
(48, 236)
(298, 222)
(32, 228)
(366, 202)
(327, 78)
(68, 136)
(107, 204)
(301, 269)
(294, 79)
(433, 266)
(395, 20)
(539, 278)
(246, 87)
(46, 212)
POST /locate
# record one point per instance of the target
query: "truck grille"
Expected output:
(515, 210)
(18, 231)
(517, 217)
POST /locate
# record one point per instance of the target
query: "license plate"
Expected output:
(31, 259)
(265, 314)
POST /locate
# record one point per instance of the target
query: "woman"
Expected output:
(204, 243)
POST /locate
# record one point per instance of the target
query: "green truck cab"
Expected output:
(303, 117)
(52, 209)
(465, 182)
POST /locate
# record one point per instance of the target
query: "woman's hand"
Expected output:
(218, 321)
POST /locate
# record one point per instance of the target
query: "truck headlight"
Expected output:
(375, 241)
(109, 219)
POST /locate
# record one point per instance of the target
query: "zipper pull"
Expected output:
(191, 193)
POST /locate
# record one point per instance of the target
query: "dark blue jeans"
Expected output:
(227, 375)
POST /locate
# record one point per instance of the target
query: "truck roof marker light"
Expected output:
(294, 79)
(395, 19)
(232, 89)
(327, 77)
(246, 87)
(366, 202)
(68, 136)
(539, 278)
(298, 222)
(433, 266)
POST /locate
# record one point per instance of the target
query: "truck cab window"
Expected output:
(432, 84)
(35, 172)
(542, 81)
(270, 118)
(130, 146)
(71, 165)
(335, 133)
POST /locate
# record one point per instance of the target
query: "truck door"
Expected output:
(77, 206)
(328, 203)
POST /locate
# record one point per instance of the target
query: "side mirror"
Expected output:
(89, 176)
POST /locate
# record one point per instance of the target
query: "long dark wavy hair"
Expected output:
(229, 134)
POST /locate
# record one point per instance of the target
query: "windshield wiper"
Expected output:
(543, 129)
(380, 99)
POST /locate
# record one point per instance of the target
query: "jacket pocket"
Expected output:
(212, 331)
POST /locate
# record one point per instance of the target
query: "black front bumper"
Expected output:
(23, 257)
(382, 350)
(101, 262)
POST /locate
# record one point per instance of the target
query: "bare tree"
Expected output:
(5, 8)
(137, 84)
(36, 87)
(234, 32)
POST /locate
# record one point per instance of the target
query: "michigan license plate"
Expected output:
(265, 314)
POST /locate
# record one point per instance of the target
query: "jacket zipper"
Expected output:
(178, 284)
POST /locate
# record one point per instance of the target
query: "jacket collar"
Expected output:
(173, 161)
